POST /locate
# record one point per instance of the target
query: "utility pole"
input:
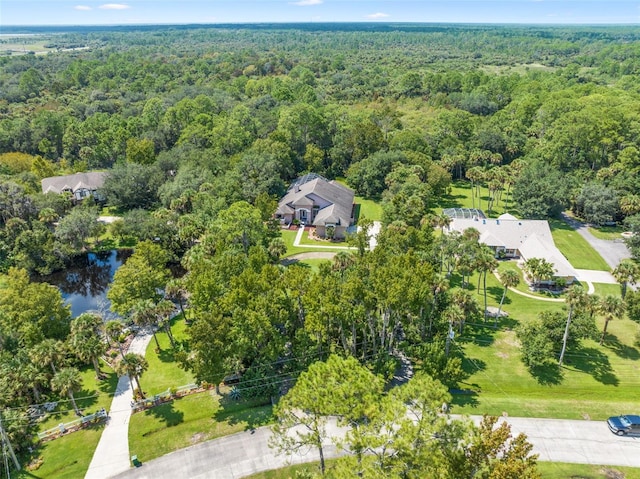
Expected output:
(5, 443)
(450, 336)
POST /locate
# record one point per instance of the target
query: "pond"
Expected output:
(84, 284)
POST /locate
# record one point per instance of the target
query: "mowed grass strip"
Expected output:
(548, 470)
(575, 248)
(191, 420)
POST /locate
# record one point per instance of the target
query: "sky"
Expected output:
(116, 12)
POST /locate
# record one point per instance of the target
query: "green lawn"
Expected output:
(460, 197)
(93, 396)
(70, 456)
(561, 470)
(164, 372)
(548, 470)
(607, 232)
(523, 286)
(575, 248)
(314, 264)
(66, 458)
(369, 209)
(306, 240)
(602, 289)
(289, 237)
(190, 420)
(595, 381)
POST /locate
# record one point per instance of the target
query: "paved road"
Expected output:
(112, 453)
(612, 251)
(233, 457)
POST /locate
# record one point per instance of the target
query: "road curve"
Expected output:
(243, 454)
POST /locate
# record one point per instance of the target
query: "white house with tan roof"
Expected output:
(511, 237)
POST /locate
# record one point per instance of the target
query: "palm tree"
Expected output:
(35, 377)
(439, 286)
(113, 330)
(626, 273)
(475, 175)
(49, 351)
(85, 339)
(342, 260)
(441, 221)
(133, 365)
(538, 269)
(175, 290)
(509, 279)
(277, 248)
(454, 315)
(144, 315)
(630, 204)
(485, 262)
(576, 299)
(66, 382)
(48, 216)
(611, 307)
(164, 311)
(467, 303)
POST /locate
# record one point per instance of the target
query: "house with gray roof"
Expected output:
(511, 237)
(314, 200)
(80, 185)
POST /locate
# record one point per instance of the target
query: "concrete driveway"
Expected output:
(612, 251)
(233, 457)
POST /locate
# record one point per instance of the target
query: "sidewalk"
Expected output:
(296, 242)
(111, 457)
(373, 232)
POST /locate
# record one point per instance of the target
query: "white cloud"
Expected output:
(82, 7)
(306, 3)
(114, 6)
(375, 16)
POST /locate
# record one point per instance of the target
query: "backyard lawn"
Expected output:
(460, 197)
(370, 209)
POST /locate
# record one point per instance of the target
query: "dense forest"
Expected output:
(201, 130)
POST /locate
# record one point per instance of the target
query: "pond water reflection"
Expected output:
(84, 284)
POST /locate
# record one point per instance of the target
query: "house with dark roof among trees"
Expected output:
(314, 200)
(79, 185)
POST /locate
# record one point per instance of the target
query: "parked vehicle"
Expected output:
(623, 425)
